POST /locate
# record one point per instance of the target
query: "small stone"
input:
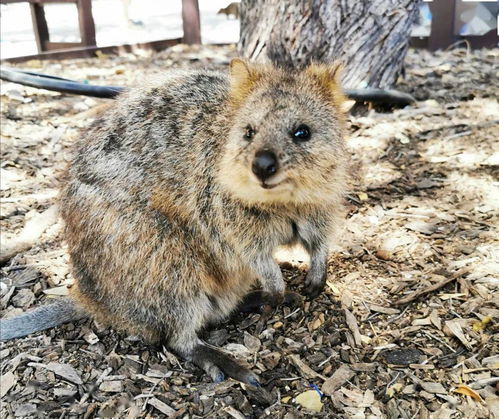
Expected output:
(466, 249)
(98, 348)
(238, 350)
(384, 254)
(23, 298)
(111, 386)
(64, 392)
(65, 371)
(8, 380)
(251, 342)
(310, 400)
(277, 325)
(4, 353)
(271, 360)
(434, 388)
(25, 409)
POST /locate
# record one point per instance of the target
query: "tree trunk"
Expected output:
(370, 37)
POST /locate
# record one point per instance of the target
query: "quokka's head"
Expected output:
(285, 144)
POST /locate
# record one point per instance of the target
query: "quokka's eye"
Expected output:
(302, 133)
(249, 133)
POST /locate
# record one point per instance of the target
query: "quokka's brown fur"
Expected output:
(168, 228)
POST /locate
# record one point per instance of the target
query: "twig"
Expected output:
(392, 381)
(151, 392)
(323, 362)
(392, 319)
(293, 312)
(457, 43)
(439, 340)
(95, 385)
(416, 294)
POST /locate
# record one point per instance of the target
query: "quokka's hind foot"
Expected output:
(219, 365)
(260, 301)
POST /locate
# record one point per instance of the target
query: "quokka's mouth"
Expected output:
(267, 186)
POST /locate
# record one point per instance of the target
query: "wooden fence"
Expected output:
(442, 31)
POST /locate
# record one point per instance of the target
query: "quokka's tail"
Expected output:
(62, 311)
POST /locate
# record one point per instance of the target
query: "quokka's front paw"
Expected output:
(292, 299)
(260, 300)
(313, 290)
(314, 286)
(289, 298)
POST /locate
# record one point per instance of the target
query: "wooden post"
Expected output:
(86, 22)
(39, 26)
(191, 22)
(442, 24)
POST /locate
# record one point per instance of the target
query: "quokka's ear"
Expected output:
(327, 74)
(243, 76)
(329, 77)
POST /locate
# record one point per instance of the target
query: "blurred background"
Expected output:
(140, 21)
(115, 23)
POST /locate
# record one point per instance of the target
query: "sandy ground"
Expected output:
(406, 327)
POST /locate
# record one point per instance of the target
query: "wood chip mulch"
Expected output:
(407, 326)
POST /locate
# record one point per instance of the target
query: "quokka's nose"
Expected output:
(265, 164)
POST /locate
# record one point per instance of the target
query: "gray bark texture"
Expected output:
(370, 37)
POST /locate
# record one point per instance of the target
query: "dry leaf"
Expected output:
(454, 328)
(435, 319)
(333, 287)
(467, 391)
(395, 388)
(315, 324)
(479, 326)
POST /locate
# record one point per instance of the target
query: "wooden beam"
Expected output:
(36, 1)
(442, 24)
(88, 52)
(191, 22)
(39, 26)
(86, 22)
(54, 46)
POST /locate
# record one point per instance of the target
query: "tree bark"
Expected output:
(370, 37)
